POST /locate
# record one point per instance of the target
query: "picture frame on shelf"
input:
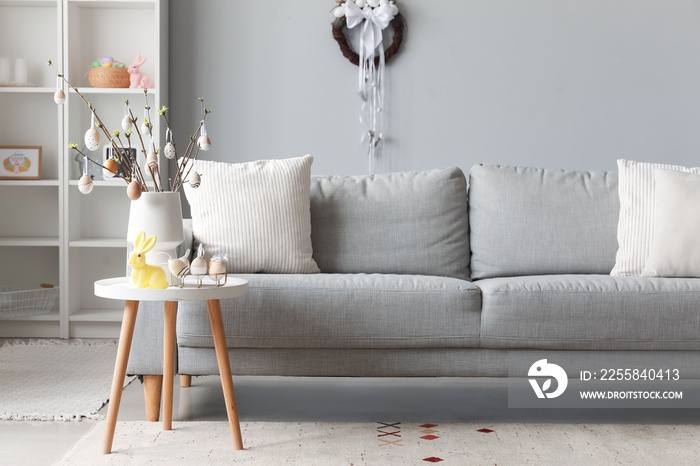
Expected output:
(107, 152)
(20, 162)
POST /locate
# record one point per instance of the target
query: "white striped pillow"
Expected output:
(258, 213)
(635, 229)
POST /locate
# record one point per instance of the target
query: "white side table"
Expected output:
(121, 289)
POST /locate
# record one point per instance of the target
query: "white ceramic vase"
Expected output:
(159, 214)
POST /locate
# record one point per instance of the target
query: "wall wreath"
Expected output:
(369, 18)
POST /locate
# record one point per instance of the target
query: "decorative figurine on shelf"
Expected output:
(199, 266)
(217, 269)
(144, 275)
(138, 80)
(179, 268)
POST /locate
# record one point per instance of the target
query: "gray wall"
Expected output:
(531, 82)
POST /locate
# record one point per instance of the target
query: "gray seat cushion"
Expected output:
(591, 312)
(341, 311)
(407, 223)
(535, 221)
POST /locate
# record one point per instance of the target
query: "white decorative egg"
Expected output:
(59, 97)
(204, 143)
(92, 139)
(373, 3)
(169, 151)
(339, 12)
(394, 9)
(85, 184)
(217, 269)
(145, 130)
(361, 3)
(194, 179)
(152, 162)
(383, 2)
(126, 123)
(198, 267)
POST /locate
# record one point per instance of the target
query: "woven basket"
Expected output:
(99, 76)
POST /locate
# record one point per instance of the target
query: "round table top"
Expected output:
(121, 288)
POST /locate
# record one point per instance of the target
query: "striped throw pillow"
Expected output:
(258, 213)
(635, 229)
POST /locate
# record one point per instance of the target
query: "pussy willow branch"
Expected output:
(92, 109)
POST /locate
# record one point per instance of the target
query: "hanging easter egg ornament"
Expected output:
(127, 121)
(152, 159)
(195, 180)
(110, 169)
(204, 142)
(365, 20)
(134, 190)
(59, 96)
(145, 128)
(169, 149)
(92, 137)
(85, 184)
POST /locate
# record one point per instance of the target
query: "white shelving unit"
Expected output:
(50, 230)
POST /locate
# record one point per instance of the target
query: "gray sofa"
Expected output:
(421, 278)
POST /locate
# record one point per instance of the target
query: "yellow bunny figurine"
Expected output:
(142, 274)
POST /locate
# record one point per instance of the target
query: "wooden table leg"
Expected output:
(217, 330)
(169, 362)
(115, 397)
(152, 391)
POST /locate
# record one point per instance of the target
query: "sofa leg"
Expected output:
(152, 388)
(185, 380)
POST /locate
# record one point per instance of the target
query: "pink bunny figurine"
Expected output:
(138, 80)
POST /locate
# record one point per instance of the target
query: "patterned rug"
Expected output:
(389, 443)
(55, 380)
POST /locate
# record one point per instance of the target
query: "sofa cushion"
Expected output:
(533, 221)
(341, 311)
(591, 312)
(257, 213)
(403, 223)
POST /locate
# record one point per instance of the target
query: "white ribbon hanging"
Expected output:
(371, 79)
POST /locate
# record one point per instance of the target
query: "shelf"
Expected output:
(130, 4)
(27, 90)
(32, 3)
(98, 243)
(97, 315)
(28, 182)
(113, 91)
(50, 317)
(27, 241)
(110, 184)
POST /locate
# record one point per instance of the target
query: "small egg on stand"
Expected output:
(198, 267)
(217, 269)
(85, 184)
(134, 190)
(92, 139)
(59, 97)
